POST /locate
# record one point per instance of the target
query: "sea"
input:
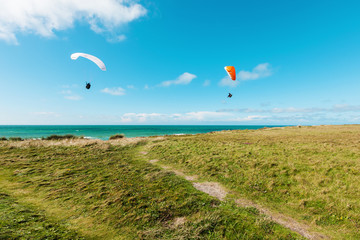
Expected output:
(103, 132)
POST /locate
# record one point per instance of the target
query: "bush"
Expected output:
(116, 136)
(3, 139)
(60, 137)
(16, 139)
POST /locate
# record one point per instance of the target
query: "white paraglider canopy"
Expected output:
(92, 58)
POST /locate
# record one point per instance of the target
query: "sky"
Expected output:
(297, 62)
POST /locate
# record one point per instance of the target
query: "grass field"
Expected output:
(91, 189)
(108, 190)
(309, 173)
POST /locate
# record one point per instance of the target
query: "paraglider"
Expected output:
(92, 58)
(232, 74)
(88, 85)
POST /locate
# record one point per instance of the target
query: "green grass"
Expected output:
(309, 173)
(115, 189)
(20, 220)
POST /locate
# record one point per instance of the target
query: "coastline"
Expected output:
(103, 132)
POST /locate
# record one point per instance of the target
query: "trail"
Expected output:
(216, 190)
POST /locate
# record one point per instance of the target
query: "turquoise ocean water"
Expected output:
(105, 131)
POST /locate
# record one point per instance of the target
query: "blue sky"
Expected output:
(298, 62)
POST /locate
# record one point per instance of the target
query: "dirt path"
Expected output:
(216, 190)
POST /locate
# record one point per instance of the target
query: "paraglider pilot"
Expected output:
(230, 95)
(92, 58)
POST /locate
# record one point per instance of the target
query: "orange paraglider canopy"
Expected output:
(231, 71)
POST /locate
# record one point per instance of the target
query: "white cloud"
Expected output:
(73, 97)
(141, 117)
(250, 118)
(114, 91)
(334, 108)
(336, 114)
(260, 71)
(226, 81)
(345, 108)
(183, 79)
(116, 39)
(201, 115)
(206, 83)
(44, 17)
(66, 92)
(174, 117)
(69, 95)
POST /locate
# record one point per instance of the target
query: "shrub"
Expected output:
(16, 139)
(116, 136)
(60, 137)
(3, 139)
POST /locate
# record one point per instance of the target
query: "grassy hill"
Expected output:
(309, 173)
(86, 189)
